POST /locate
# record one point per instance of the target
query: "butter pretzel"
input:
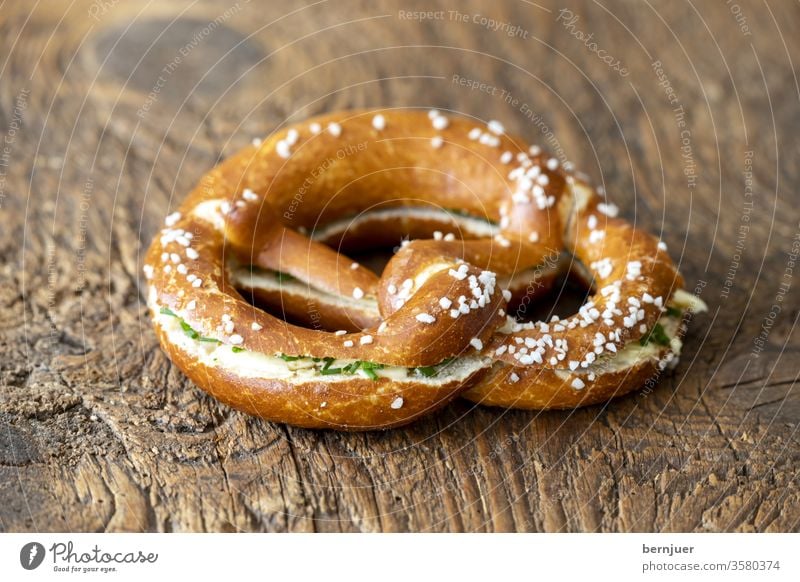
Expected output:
(254, 298)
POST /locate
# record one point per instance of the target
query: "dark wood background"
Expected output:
(99, 432)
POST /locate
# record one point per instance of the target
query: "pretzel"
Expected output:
(254, 299)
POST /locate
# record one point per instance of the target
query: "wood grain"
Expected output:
(110, 111)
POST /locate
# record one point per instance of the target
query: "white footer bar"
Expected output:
(390, 557)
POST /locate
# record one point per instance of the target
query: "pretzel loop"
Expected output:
(488, 222)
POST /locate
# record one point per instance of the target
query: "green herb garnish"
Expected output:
(370, 367)
(237, 349)
(674, 312)
(281, 276)
(657, 335)
(352, 367)
(430, 371)
(465, 214)
(188, 330)
(326, 369)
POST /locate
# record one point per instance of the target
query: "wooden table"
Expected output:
(110, 111)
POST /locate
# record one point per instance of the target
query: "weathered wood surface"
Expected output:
(99, 432)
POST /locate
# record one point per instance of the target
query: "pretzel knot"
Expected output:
(254, 298)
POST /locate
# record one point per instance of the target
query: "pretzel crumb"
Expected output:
(440, 122)
(496, 127)
(578, 384)
(610, 210)
(172, 219)
(282, 149)
(596, 236)
(633, 270)
(603, 267)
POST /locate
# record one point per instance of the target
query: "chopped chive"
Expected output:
(351, 368)
(370, 367)
(212, 340)
(281, 276)
(286, 358)
(168, 311)
(657, 335)
(188, 330)
(660, 335)
(674, 312)
(429, 371)
(330, 371)
(237, 349)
